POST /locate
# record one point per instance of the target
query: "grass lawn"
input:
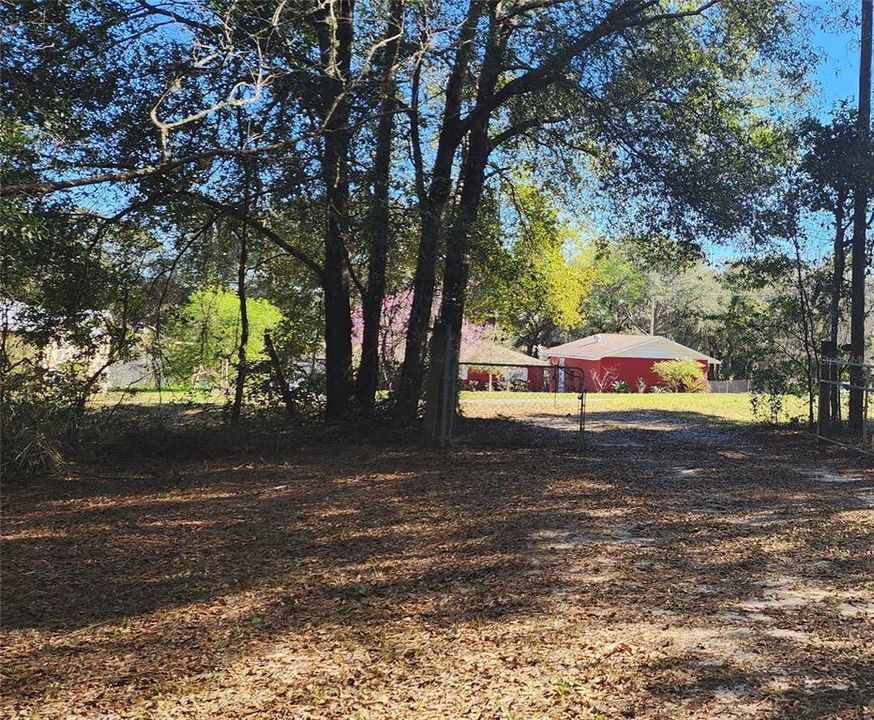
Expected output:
(153, 397)
(728, 407)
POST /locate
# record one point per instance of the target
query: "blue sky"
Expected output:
(837, 79)
(838, 72)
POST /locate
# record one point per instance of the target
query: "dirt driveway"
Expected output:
(668, 567)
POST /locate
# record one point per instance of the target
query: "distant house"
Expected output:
(18, 326)
(608, 357)
(484, 364)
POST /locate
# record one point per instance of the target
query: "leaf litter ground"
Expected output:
(665, 567)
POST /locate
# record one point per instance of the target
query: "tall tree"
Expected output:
(832, 158)
(432, 206)
(656, 135)
(860, 210)
(524, 277)
(380, 225)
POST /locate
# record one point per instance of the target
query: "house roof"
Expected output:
(484, 352)
(595, 347)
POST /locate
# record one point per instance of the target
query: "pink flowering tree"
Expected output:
(392, 334)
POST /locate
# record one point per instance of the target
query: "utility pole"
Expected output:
(860, 207)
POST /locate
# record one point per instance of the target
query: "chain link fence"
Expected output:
(544, 397)
(838, 381)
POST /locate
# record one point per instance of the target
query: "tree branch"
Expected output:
(627, 15)
(255, 224)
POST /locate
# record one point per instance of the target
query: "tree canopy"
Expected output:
(331, 155)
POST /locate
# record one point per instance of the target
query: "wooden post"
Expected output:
(437, 424)
(450, 373)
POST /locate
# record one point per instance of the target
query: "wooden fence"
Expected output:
(730, 386)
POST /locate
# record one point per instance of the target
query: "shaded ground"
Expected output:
(669, 566)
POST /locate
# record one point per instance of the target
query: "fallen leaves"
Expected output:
(482, 581)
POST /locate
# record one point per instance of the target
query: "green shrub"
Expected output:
(681, 376)
(305, 391)
(620, 386)
(771, 386)
(41, 411)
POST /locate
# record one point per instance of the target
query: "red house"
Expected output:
(607, 358)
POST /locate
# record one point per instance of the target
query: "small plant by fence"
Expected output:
(548, 396)
(841, 385)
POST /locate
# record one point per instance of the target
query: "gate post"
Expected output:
(582, 378)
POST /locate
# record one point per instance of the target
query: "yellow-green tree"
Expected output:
(529, 285)
(205, 334)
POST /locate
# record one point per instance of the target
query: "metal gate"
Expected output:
(543, 396)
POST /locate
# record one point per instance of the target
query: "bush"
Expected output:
(681, 376)
(771, 385)
(620, 386)
(41, 411)
(640, 385)
(305, 391)
(766, 405)
(204, 333)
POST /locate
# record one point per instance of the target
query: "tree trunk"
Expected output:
(335, 40)
(838, 270)
(447, 331)
(284, 390)
(338, 323)
(242, 368)
(433, 206)
(811, 365)
(860, 206)
(368, 371)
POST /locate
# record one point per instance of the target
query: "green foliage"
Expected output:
(42, 410)
(75, 301)
(776, 319)
(616, 296)
(681, 376)
(205, 333)
(530, 287)
(306, 390)
(621, 387)
(633, 286)
(768, 395)
(834, 158)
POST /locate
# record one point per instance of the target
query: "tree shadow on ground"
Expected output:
(206, 561)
